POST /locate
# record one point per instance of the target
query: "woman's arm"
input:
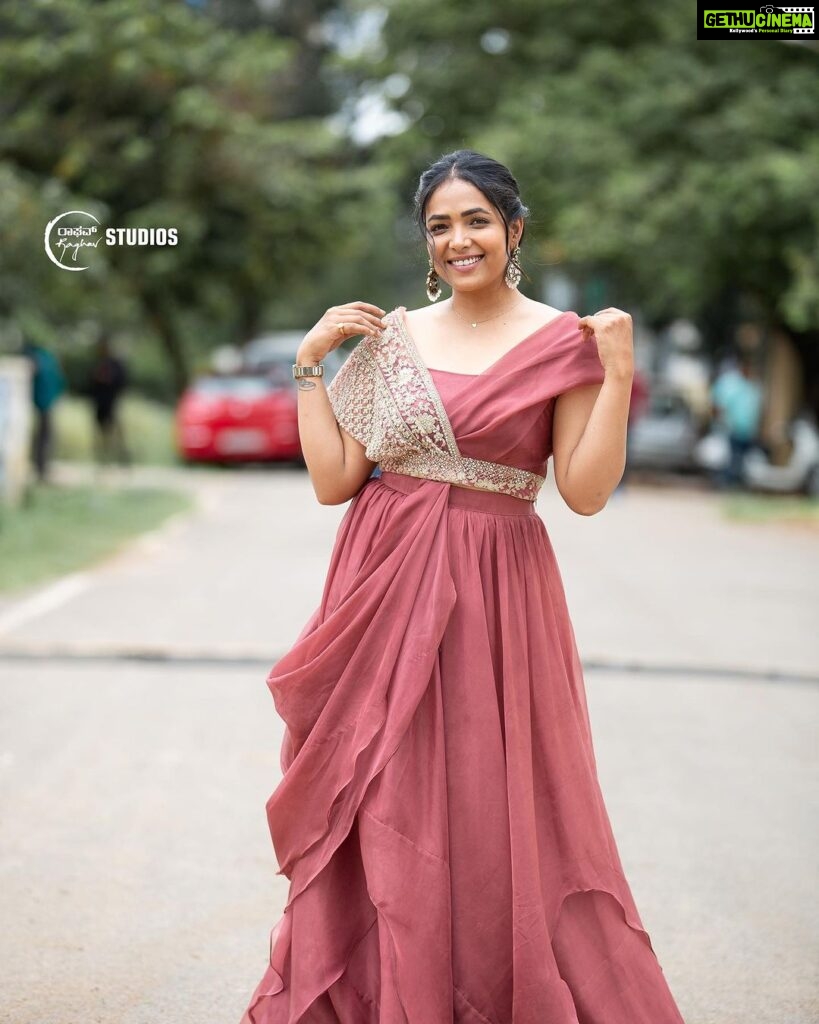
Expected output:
(335, 461)
(589, 442)
(590, 424)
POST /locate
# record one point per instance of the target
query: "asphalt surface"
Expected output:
(139, 743)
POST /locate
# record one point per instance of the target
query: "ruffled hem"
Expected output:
(572, 1000)
(436, 699)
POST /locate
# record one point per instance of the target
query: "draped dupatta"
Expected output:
(385, 397)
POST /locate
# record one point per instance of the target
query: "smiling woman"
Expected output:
(440, 817)
(472, 220)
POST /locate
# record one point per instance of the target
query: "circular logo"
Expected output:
(65, 242)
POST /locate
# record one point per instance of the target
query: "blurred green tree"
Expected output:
(675, 175)
(684, 171)
(147, 115)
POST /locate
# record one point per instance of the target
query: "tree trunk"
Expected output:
(163, 324)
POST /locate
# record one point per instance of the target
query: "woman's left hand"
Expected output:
(612, 330)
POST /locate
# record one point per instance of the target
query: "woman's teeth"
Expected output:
(467, 262)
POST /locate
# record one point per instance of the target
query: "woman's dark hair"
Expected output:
(495, 180)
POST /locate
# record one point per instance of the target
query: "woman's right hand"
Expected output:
(356, 317)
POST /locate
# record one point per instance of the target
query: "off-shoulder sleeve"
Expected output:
(352, 394)
(579, 363)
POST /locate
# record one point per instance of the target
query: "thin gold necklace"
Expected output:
(474, 323)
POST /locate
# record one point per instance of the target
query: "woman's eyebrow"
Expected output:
(466, 213)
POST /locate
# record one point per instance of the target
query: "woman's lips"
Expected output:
(468, 267)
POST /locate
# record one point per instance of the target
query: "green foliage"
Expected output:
(668, 174)
(148, 428)
(149, 115)
(679, 167)
(757, 508)
(62, 529)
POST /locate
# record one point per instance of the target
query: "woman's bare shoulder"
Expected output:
(424, 320)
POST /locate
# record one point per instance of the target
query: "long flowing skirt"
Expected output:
(440, 816)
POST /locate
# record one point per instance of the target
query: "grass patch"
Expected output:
(61, 529)
(763, 508)
(148, 428)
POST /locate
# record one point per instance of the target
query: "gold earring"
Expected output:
(513, 269)
(433, 284)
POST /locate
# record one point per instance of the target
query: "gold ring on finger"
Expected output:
(342, 329)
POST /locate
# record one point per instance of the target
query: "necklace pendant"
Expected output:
(474, 325)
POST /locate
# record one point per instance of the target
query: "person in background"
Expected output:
(736, 404)
(107, 380)
(47, 384)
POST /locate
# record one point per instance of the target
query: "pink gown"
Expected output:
(440, 818)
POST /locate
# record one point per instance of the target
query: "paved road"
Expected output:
(658, 580)
(137, 869)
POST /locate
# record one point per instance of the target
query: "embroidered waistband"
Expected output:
(464, 497)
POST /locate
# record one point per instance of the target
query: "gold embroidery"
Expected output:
(384, 396)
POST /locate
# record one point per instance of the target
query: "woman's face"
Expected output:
(461, 222)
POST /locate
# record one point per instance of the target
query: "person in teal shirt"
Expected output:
(47, 384)
(736, 400)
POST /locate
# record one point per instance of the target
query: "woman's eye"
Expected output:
(475, 220)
